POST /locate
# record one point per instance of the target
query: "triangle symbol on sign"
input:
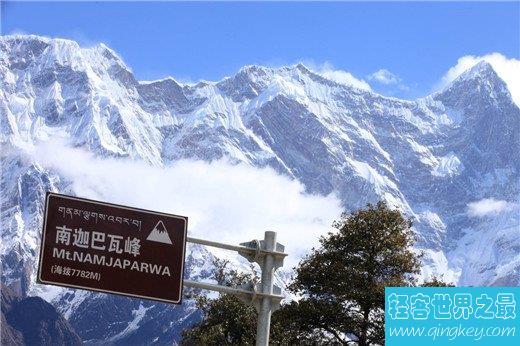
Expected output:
(159, 234)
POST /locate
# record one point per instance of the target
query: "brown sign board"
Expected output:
(112, 248)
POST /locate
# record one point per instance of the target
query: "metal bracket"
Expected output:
(264, 296)
(254, 299)
(260, 252)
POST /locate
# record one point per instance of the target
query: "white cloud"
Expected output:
(339, 76)
(384, 77)
(224, 202)
(507, 69)
(488, 206)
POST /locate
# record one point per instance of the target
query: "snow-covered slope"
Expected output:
(431, 157)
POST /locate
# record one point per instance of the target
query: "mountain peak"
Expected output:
(109, 53)
(26, 48)
(23, 37)
(57, 43)
(308, 125)
(482, 69)
(479, 81)
(264, 70)
(255, 69)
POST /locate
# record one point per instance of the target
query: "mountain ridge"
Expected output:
(431, 157)
(31, 321)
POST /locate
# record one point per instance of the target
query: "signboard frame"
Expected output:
(39, 279)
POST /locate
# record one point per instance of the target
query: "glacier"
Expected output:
(429, 157)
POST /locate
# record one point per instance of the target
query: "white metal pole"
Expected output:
(228, 290)
(238, 248)
(264, 313)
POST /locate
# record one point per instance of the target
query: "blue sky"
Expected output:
(418, 42)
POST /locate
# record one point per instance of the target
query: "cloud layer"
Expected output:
(384, 77)
(488, 207)
(507, 69)
(339, 76)
(223, 202)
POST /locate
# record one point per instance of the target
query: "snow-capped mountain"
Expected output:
(433, 158)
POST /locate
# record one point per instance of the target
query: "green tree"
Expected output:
(229, 321)
(226, 320)
(435, 281)
(371, 249)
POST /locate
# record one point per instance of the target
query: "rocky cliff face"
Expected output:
(33, 321)
(432, 157)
